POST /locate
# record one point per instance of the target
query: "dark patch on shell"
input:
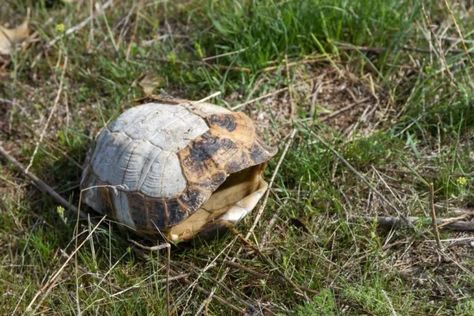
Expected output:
(260, 154)
(158, 218)
(175, 212)
(192, 198)
(105, 196)
(205, 149)
(225, 121)
(135, 206)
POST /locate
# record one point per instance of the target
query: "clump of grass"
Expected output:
(321, 304)
(373, 151)
(269, 30)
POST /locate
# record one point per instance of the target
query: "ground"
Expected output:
(369, 102)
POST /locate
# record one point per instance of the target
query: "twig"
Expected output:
(246, 269)
(458, 30)
(379, 50)
(342, 110)
(6, 101)
(225, 54)
(42, 186)
(391, 222)
(270, 184)
(433, 217)
(205, 269)
(260, 98)
(306, 60)
(152, 248)
(168, 295)
(290, 89)
(137, 13)
(196, 63)
(212, 95)
(166, 246)
(394, 313)
(50, 116)
(269, 228)
(138, 285)
(95, 275)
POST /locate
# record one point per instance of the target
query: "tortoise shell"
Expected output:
(157, 166)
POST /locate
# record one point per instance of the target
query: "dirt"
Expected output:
(323, 94)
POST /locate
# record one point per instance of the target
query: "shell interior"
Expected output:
(231, 202)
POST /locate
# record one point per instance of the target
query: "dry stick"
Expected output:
(448, 221)
(208, 266)
(394, 313)
(55, 105)
(260, 98)
(458, 30)
(135, 28)
(6, 101)
(390, 222)
(258, 274)
(94, 275)
(309, 60)
(224, 54)
(43, 187)
(270, 184)
(138, 284)
(197, 63)
(168, 297)
(83, 24)
(342, 110)
(290, 89)
(238, 106)
(269, 227)
(91, 20)
(433, 217)
(46, 289)
(212, 95)
(378, 50)
(261, 275)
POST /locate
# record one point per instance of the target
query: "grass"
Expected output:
(395, 77)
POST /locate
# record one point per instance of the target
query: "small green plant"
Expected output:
(321, 304)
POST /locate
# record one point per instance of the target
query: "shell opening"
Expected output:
(231, 202)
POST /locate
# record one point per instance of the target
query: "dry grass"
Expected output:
(372, 129)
